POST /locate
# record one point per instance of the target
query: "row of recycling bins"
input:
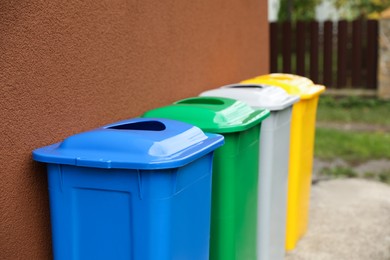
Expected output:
(157, 187)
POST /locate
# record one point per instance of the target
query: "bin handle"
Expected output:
(143, 126)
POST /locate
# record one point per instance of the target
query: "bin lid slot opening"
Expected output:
(143, 126)
(249, 86)
(202, 101)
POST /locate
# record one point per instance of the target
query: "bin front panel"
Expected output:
(300, 169)
(131, 214)
(273, 178)
(234, 197)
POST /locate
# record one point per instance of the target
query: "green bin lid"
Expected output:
(212, 114)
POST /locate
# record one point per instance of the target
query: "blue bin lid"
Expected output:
(140, 143)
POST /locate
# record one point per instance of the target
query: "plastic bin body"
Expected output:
(301, 149)
(273, 162)
(234, 193)
(103, 209)
(234, 200)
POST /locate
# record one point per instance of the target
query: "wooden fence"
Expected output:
(341, 54)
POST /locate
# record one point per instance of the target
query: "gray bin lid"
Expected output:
(256, 95)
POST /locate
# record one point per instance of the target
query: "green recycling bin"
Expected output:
(235, 169)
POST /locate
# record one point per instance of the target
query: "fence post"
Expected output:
(314, 42)
(274, 46)
(372, 54)
(327, 75)
(300, 48)
(286, 46)
(342, 34)
(357, 38)
(384, 59)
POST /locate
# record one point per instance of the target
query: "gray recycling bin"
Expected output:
(273, 161)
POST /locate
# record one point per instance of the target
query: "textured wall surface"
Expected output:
(69, 66)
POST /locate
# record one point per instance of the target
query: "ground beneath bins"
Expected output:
(349, 219)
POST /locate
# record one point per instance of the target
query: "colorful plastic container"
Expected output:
(273, 161)
(137, 189)
(301, 148)
(235, 170)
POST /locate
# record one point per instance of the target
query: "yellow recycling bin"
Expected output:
(301, 148)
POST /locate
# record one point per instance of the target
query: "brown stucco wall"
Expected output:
(69, 66)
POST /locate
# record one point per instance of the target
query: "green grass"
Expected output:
(339, 172)
(354, 110)
(348, 172)
(351, 146)
(383, 176)
(354, 147)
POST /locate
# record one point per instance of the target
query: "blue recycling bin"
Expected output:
(137, 189)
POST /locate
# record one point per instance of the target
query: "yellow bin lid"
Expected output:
(293, 84)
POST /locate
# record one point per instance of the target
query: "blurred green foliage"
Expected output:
(293, 10)
(338, 172)
(354, 110)
(351, 146)
(353, 9)
(383, 176)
